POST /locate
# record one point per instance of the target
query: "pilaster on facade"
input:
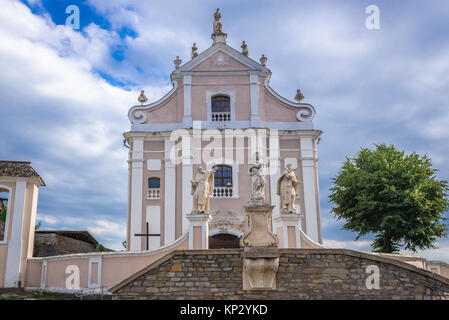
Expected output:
(254, 96)
(136, 209)
(310, 183)
(13, 260)
(187, 118)
(187, 176)
(169, 192)
(274, 171)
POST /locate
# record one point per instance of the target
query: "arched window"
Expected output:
(154, 188)
(221, 108)
(4, 195)
(223, 181)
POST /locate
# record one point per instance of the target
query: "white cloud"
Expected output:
(361, 245)
(47, 219)
(439, 254)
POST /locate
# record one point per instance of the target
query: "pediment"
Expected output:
(221, 61)
(221, 57)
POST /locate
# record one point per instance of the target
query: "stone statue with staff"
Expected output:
(202, 189)
(287, 189)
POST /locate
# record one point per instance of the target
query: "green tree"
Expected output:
(3, 212)
(393, 195)
(38, 226)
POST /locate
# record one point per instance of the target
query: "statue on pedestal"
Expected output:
(202, 189)
(218, 35)
(217, 23)
(258, 184)
(287, 189)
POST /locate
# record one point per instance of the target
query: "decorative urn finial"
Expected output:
(299, 96)
(142, 97)
(177, 62)
(244, 48)
(263, 60)
(194, 51)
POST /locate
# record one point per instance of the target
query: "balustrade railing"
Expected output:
(221, 116)
(222, 192)
(154, 193)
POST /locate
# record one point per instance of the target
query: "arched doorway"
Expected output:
(224, 241)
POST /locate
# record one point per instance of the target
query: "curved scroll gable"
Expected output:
(138, 114)
(306, 111)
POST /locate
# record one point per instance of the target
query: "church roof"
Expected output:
(20, 169)
(82, 235)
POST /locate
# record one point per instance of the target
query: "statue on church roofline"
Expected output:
(218, 35)
(177, 62)
(202, 189)
(218, 28)
(244, 47)
(194, 50)
(287, 189)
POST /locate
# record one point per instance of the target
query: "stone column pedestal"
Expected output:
(260, 254)
(288, 230)
(198, 230)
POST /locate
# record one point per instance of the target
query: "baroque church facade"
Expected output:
(221, 161)
(220, 115)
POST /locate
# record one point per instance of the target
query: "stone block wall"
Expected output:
(302, 274)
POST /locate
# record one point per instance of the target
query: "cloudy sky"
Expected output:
(65, 93)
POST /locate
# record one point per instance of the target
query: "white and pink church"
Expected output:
(221, 115)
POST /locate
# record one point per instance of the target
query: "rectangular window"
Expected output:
(221, 108)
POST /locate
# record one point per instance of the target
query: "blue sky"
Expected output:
(65, 93)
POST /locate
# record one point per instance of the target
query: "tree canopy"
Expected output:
(393, 195)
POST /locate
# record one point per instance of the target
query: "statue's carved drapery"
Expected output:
(287, 189)
(202, 189)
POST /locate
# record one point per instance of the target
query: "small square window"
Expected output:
(154, 183)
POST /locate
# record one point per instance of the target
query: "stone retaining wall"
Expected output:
(302, 274)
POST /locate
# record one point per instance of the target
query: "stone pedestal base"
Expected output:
(288, 230)
(260, 254)
(219, 37)
(259, 219)
(198, 230)
(260, 265)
